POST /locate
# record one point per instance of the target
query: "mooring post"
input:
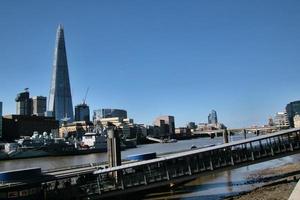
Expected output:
(225, 136)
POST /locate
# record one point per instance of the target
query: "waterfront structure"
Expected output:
(39, 104)
(60, 99)
(109, 113)
(82, 112)
(1, 119)
(212, 117)
(23, 103)
(166, 124)
(15, 126)
(292, 109)
(281, 120)
(113, 148)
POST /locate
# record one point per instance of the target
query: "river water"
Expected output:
(210, 187)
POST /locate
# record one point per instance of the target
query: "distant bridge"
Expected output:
(96, 182)
(256, 130)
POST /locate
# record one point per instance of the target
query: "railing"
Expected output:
(174, 168)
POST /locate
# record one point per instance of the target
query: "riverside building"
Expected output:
(166, 124)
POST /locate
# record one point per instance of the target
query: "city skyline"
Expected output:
(246, 69)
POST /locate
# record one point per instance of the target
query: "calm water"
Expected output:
(65, 161)
(210, 187)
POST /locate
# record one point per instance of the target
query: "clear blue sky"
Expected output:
(151, 57)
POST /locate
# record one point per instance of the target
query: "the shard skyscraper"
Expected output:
(60, 98)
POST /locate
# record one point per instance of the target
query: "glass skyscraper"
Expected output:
(212, 117)
(60, 99)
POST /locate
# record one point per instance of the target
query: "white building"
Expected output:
(281, 120)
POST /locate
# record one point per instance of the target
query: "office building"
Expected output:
(1, 119)
(23, 103)
(212, 117)
(60, 99)
(292, 109)
(39, 104)
(82, 112)
(166, 124)
(109, 113)
(281, 120)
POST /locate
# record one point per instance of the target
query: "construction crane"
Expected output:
(86, 93)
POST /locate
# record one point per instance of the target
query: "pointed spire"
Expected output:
(60, 99)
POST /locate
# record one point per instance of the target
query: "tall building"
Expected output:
(82, 112)
(39, 104)
(166, 124)
(23, 103)
(0, 119)
(109, 113)
(212, 117)
(60, 99)
(292, 109)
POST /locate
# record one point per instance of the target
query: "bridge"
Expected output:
(96, 182)
(245, 130)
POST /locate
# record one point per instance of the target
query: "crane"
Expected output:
(86, 93)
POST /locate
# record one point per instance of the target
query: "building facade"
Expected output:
(82, 112)
(76, 129)
(109, 113)
(212, 117)
(281, 120)
(292, 109)
(23, 103)
(60, 99)
(39, 105)
(166, 124)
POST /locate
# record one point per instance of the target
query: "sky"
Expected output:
(150, 57)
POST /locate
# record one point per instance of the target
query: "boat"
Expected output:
(93, 142)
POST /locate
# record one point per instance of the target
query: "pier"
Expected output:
(99, 181)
